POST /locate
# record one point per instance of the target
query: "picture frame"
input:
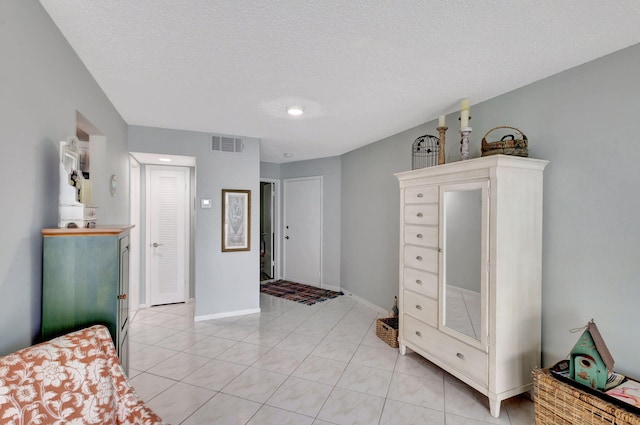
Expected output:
(236, 220)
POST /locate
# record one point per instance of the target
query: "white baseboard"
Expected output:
(367, 303)
(141, 306)
(332, 288)
(226, 314)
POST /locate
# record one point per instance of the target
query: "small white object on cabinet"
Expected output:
(471, 270)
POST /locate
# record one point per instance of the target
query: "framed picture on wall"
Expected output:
(236, 220)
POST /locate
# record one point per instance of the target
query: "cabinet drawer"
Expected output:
(421, 282)
(421, 214)
(421, 195)
(421, 258)
(462, 357)
(421, 235)
(420, 307)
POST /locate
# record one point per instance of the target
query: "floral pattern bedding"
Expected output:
(73, 379)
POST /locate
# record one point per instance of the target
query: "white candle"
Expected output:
(464, 118)
(441, 121)
(464, 113)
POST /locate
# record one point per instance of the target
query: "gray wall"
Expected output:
(370, 209)
(224, 281)
(584, 122)
(269, 170)
(43, 84)
(329, 169)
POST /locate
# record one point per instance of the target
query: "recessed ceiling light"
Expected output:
(164, 159)
(295, 111)
(288, 155)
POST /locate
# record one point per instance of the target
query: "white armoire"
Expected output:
(470, 270)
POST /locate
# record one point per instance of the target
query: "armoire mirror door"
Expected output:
(463, 308)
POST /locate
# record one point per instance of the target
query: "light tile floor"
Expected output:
(295, 364)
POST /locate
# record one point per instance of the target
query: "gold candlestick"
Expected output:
(441, 132)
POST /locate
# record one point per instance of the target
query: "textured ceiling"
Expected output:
(362, 69)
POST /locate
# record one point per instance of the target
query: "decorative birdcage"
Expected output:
(424, 152)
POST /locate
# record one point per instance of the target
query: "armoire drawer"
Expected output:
(421, 195)
(424, 283)
(421, 214)
(421, 258)
(423, 308)
(466, 359)
(421, 235)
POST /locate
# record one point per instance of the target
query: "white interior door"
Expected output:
(167, 208)
(268, 229)
(303, 230)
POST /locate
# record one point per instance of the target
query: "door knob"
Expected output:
(286, 237)
(122, 297)
(156, 244)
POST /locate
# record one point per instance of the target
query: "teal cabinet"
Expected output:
(86, 282)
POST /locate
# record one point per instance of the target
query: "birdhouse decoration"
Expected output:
(590, 361)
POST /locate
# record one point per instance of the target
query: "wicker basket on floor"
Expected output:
(387, 330)
(558, 403)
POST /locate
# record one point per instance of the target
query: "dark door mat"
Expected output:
(305, 294)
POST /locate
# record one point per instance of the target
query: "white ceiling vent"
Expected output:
(227, 144)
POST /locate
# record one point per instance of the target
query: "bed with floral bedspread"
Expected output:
(72, 379)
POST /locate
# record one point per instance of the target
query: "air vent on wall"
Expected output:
(226, 144)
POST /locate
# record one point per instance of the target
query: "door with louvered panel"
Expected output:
(167, 208)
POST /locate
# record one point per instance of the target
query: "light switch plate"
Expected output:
(205, 203)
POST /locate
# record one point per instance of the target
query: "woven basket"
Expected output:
(387, 330)
(508, 145)
(558, 403)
